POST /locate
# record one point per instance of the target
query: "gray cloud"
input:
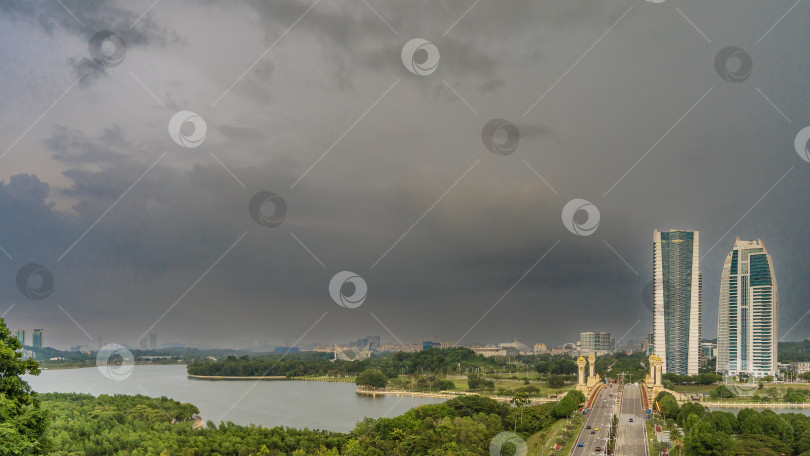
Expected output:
(384, 171)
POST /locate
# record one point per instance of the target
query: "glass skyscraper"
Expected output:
(37, 339)
(678, 296)
(747, 319)
(20, 335)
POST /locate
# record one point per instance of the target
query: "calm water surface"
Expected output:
(315, 405)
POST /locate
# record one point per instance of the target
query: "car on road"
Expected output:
(597, 449)
(580, 445)
(631, 420)
(596, 428)
(593, 432)
(588, 426)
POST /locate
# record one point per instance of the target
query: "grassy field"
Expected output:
(694, 389)
(766, 393)
(461, 385)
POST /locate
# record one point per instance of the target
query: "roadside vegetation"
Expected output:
(694, 430)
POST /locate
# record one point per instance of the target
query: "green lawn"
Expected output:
(694, 389)
(764, 393)
(461, 386)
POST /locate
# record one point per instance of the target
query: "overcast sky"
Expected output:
(384, 172)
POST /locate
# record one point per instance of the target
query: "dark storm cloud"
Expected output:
(392, 168)
(84, 18)
(72, 146)
(91, 16)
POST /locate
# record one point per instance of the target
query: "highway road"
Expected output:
(598, 417)
(631, 437)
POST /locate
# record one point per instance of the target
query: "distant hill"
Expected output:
(171, 345)
(791, 352)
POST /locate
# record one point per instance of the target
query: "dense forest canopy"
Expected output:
(456, 360)
(139, 425)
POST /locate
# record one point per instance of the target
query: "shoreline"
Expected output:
(269, 378)
(445, 395)
(754, 405)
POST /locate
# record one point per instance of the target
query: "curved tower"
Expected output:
(747, 319)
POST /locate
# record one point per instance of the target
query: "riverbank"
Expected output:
(273, 377)
(756, 405)
(322, 405)
(445, 395)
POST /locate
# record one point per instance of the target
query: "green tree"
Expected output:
(751, 423)
(686, 410)
(372, 378)
(793, 396)
(704, 440)
(555, 381)
(668, 406)
(23, 422)
(568, 404)
(804, 441)
(722, 391)
(520, 399)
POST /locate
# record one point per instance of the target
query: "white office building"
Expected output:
(747, 320)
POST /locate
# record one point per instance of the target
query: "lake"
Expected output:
(298, 404)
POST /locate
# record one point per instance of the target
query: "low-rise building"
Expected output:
(514, 348)
(489, 350)
(800, 367)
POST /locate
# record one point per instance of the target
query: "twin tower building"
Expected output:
(747, 320)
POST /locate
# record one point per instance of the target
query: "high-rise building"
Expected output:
(373, 343)
(153, 341)
(19, 334)
(598, 343)
(142, 343)
(98, 342)
(677, 300)
(708, 350)
(36, 341)
(747, 318)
